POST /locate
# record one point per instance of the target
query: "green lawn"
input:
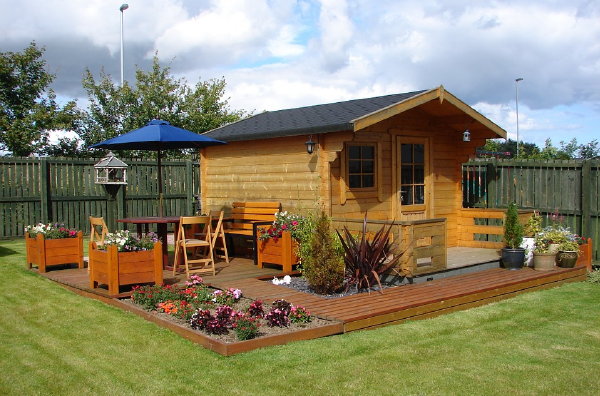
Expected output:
(55, 342)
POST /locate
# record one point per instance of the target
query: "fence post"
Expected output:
(45, 203)
(189, 182)
(491, 184)
(586, 209)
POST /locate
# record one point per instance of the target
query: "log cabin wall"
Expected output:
(277, 170)
(446, 152)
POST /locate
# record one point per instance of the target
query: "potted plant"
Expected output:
(53, 244)
(513, 255)
(568, 251)
(544, 255)
(531, 229)
(124, 259)
(278, 243)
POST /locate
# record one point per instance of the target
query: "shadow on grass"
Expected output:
(5, 252)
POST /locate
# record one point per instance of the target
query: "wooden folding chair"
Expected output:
(98, 231)
(218, 237)
(195, 264)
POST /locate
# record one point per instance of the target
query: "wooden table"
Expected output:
(161, 229)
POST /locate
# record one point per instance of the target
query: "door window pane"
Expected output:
(412, 174)
(406, 153)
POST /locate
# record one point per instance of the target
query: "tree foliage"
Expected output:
(565, 150)
(156, 94)
(28, 108)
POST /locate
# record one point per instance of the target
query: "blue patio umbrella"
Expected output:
(157, 136)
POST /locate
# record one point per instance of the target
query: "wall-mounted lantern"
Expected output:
(466, 136)
(310, 145)
(111, 170)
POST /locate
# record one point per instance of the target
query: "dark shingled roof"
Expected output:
(316, 119)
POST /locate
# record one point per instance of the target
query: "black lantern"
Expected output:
(310, 145)
(111, 170)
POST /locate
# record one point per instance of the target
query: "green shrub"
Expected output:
(594, 277)
(322, 261)
(513, 230)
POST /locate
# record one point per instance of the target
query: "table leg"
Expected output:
(161, 229)
(139, 230)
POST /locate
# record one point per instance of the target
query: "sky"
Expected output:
(281, 54)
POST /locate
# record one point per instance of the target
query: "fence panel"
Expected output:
(34, 190)
(569, 188)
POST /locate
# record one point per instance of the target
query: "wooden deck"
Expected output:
(410, 301)
(414, 301)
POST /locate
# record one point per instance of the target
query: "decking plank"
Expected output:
(366, 310)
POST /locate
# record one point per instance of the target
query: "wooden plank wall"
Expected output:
(447, 152)
(264, 170)
(36, 190)
(570, 188)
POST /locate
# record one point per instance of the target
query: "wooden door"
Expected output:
(414, 178)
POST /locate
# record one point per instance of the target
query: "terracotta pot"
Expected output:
(544, 261)
(43, 252)
(566, 258)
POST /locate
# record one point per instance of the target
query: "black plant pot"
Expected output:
(513, 259)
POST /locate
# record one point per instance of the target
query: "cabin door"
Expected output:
(414, 179)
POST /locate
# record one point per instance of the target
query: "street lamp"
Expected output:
(122, 8)
(517, 106)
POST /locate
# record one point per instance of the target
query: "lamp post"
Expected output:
(122, 8)
(517, 107)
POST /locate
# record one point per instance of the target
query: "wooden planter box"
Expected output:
(281, 252)
(585, 255)
(114, 269)
(43, 252)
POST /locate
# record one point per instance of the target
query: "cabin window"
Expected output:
(412, 174)
(361, 166)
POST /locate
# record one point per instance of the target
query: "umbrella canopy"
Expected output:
(157, 135)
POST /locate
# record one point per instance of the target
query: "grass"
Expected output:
(55, 342)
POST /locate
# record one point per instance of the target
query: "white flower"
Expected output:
(287, 279)
(276, 281)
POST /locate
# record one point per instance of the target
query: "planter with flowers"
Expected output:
(53, 244)
(124, 259)
(278, 243)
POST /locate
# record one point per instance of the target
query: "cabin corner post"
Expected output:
(202, 174)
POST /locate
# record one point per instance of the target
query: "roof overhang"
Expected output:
(465, 112)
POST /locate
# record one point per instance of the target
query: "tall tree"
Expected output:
(28, 108)
(114, 110)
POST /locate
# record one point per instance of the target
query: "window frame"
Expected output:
(375, 165)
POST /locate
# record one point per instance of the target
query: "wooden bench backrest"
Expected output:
(245, 213)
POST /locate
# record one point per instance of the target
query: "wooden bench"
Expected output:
(246, 216)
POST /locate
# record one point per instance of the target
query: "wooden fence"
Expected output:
(34, 190)
(569, 188)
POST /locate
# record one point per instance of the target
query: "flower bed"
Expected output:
(225, 316)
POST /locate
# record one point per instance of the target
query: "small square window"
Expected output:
(361, 166)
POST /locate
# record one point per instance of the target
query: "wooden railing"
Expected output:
(484, 228)
(422, 242)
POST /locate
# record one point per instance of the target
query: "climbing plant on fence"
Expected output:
(36, 190)
(568, 187)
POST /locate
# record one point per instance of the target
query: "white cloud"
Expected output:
(283, 53)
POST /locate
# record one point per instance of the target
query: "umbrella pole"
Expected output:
(160, 187)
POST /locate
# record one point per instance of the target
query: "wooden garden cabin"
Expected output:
(397, 157)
